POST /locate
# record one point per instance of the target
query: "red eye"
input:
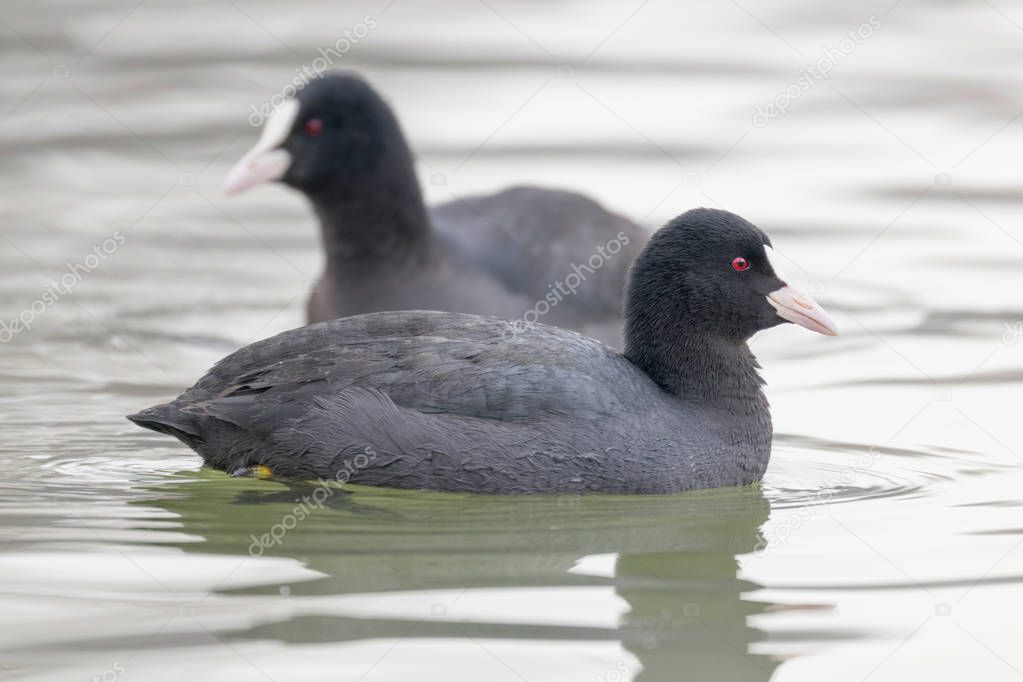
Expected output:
(313, 127)
(740, 264)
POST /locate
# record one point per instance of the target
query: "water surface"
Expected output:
(884, 543)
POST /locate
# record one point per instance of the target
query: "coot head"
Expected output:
(336, 135)
(710, 274)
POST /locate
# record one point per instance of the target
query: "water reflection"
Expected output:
(672, 560)
(859, 559)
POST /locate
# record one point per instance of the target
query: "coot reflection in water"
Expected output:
(892, 548)
(427, 567)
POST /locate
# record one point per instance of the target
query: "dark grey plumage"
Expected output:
(495, 254)
(459, 402)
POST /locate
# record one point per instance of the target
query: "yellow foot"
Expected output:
(257, 471)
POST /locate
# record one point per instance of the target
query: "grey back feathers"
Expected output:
(454, 402)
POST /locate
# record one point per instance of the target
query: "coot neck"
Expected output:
(701, 368)
(378, 219)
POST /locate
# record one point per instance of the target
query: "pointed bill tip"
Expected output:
(797, 307)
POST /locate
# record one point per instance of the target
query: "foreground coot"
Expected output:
(465, 403)
(540, 255)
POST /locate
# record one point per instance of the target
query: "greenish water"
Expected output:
(885, 542)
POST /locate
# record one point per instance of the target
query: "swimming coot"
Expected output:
(528, 253)
(457, 402)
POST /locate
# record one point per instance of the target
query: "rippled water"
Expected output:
(884, 543)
